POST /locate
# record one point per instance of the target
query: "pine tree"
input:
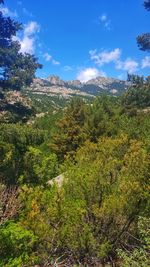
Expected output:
(16, 69)
(143, 40)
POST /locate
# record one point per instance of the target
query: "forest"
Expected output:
(74, 184)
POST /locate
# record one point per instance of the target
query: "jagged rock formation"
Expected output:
(54, 86)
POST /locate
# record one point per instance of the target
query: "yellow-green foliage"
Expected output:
(104, 156)
(103, 194)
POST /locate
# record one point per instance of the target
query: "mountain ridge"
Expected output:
(54, 85)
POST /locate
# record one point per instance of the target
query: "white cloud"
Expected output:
(31, 28)
(89, 73)
(67, 68)
(47, 57)
(7, 12)
(103, 18)
(146, 62)
(105, 21)
(114, 56)
(27, 45)
(27, 42)
(105, 56)
(128, 65)
(55, 62)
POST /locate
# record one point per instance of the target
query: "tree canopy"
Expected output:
(143, 40)
(16, 69)
(147, 4)
(98, 213)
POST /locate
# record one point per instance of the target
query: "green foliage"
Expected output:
(16, 69)
(70, 134)
(101, 117)
(100, 211)
(135, 79)
(17, 246)
(46, 103)
(137, 97)
(143, 40)
(83, 121)
(104, 157)
(89, 216)
(139, 256)
(14, 142)
(38, 168)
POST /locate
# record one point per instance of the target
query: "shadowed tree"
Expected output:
(9, 203)
(143, 40)
(147, 4)
(16, 69)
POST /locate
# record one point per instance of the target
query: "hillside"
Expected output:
(52, 93)
(15, 107)
(54, 86)
(74, 154)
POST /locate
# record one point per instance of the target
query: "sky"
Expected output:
(83, 39)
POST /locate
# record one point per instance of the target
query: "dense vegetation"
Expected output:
(100, 213)
(97, 209)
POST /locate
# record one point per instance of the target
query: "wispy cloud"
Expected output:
(26, 12)
(128, 65)
(114, 56)
(55, 62)
(105, 21)
(105, 57)
(27, 45)
(31, 28)
(89, 73)
(49, 58)
(103, 18)
(146, 62)
(67, 68)
(28, 39)
(7, 12)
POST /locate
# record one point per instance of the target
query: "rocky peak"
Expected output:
(75, 83)
(55, 80)
(55, 86)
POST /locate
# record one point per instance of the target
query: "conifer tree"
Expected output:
(143, 40)
(16, 69)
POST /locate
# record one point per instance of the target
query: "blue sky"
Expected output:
(83, 38)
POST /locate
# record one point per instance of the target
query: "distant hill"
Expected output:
(51, 94)
(54, 86)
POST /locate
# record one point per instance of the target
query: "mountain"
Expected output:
(51, 93)
(54, 86)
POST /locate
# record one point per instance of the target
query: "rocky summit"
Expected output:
(54, 86)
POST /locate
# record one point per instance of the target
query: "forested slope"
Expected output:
(100, 212)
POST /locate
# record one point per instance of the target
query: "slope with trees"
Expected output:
(100, 213)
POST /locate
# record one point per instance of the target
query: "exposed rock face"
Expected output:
(74, 83)
(55, 80)
(53, 85)
(108, 83)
